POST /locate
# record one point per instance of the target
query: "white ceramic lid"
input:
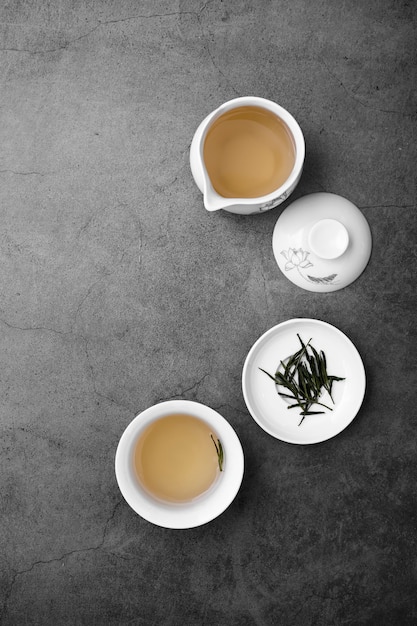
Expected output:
(322, 242)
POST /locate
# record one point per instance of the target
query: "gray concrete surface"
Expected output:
(118, 290)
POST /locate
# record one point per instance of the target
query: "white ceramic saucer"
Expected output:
(322, 242)
(270, 410)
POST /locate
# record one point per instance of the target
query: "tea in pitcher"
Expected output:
(248, 152)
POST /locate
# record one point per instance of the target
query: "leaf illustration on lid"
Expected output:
(324, 280)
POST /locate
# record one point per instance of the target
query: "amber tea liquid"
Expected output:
(175, 458)
(248, 152)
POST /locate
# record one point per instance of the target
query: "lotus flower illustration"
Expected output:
(296, 258)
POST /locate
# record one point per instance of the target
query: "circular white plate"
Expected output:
(270, 411)
(200, 510)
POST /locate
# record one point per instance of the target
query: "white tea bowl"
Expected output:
(208, 505)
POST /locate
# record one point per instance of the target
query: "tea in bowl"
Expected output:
(247, 156)
(179, 464)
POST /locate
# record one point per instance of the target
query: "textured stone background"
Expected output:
(118, 290)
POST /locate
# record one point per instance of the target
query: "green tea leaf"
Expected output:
(304, 375)
(220, 453)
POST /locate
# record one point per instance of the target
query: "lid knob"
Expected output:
(328, 239)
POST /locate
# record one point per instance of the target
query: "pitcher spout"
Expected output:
(213, 202)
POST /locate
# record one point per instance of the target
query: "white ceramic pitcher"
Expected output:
(245, 206)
